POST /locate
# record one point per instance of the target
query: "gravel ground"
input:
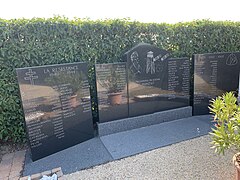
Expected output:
(192, 159)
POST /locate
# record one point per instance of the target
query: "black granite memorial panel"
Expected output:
(57, 108)
(111, 82)
(214, 74)
(239, 90)
(156, 82)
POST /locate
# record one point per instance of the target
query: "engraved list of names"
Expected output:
(57, 108)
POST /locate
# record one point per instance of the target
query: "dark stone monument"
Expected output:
(214, 74)
(156, 82)
(57, 108)
(239, 90)
(111, 82)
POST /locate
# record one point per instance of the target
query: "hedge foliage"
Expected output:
(37, 41)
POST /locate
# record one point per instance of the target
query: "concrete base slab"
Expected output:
(103, 149)
(135, 141)
(143, 121)
(81, 156)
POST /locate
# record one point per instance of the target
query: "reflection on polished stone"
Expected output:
(56, 105)
(111, 80)
(156, 82)
(214, 74)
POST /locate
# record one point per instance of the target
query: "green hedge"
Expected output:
(38, 41)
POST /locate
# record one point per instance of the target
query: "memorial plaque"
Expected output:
(111, 82)
(214, 74)
(156, 82)
(239, 90)
(57, 108)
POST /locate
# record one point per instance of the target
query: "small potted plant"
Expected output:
(114, 87)
(226, 133)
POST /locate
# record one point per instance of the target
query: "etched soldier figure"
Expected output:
(135, 67)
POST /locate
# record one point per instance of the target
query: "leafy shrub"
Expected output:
(227, 117)
(34, 42)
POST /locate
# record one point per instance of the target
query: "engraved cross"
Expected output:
(31, 76)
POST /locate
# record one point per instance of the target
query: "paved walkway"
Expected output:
(11, 165)
(101, 150)
(11, 168)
